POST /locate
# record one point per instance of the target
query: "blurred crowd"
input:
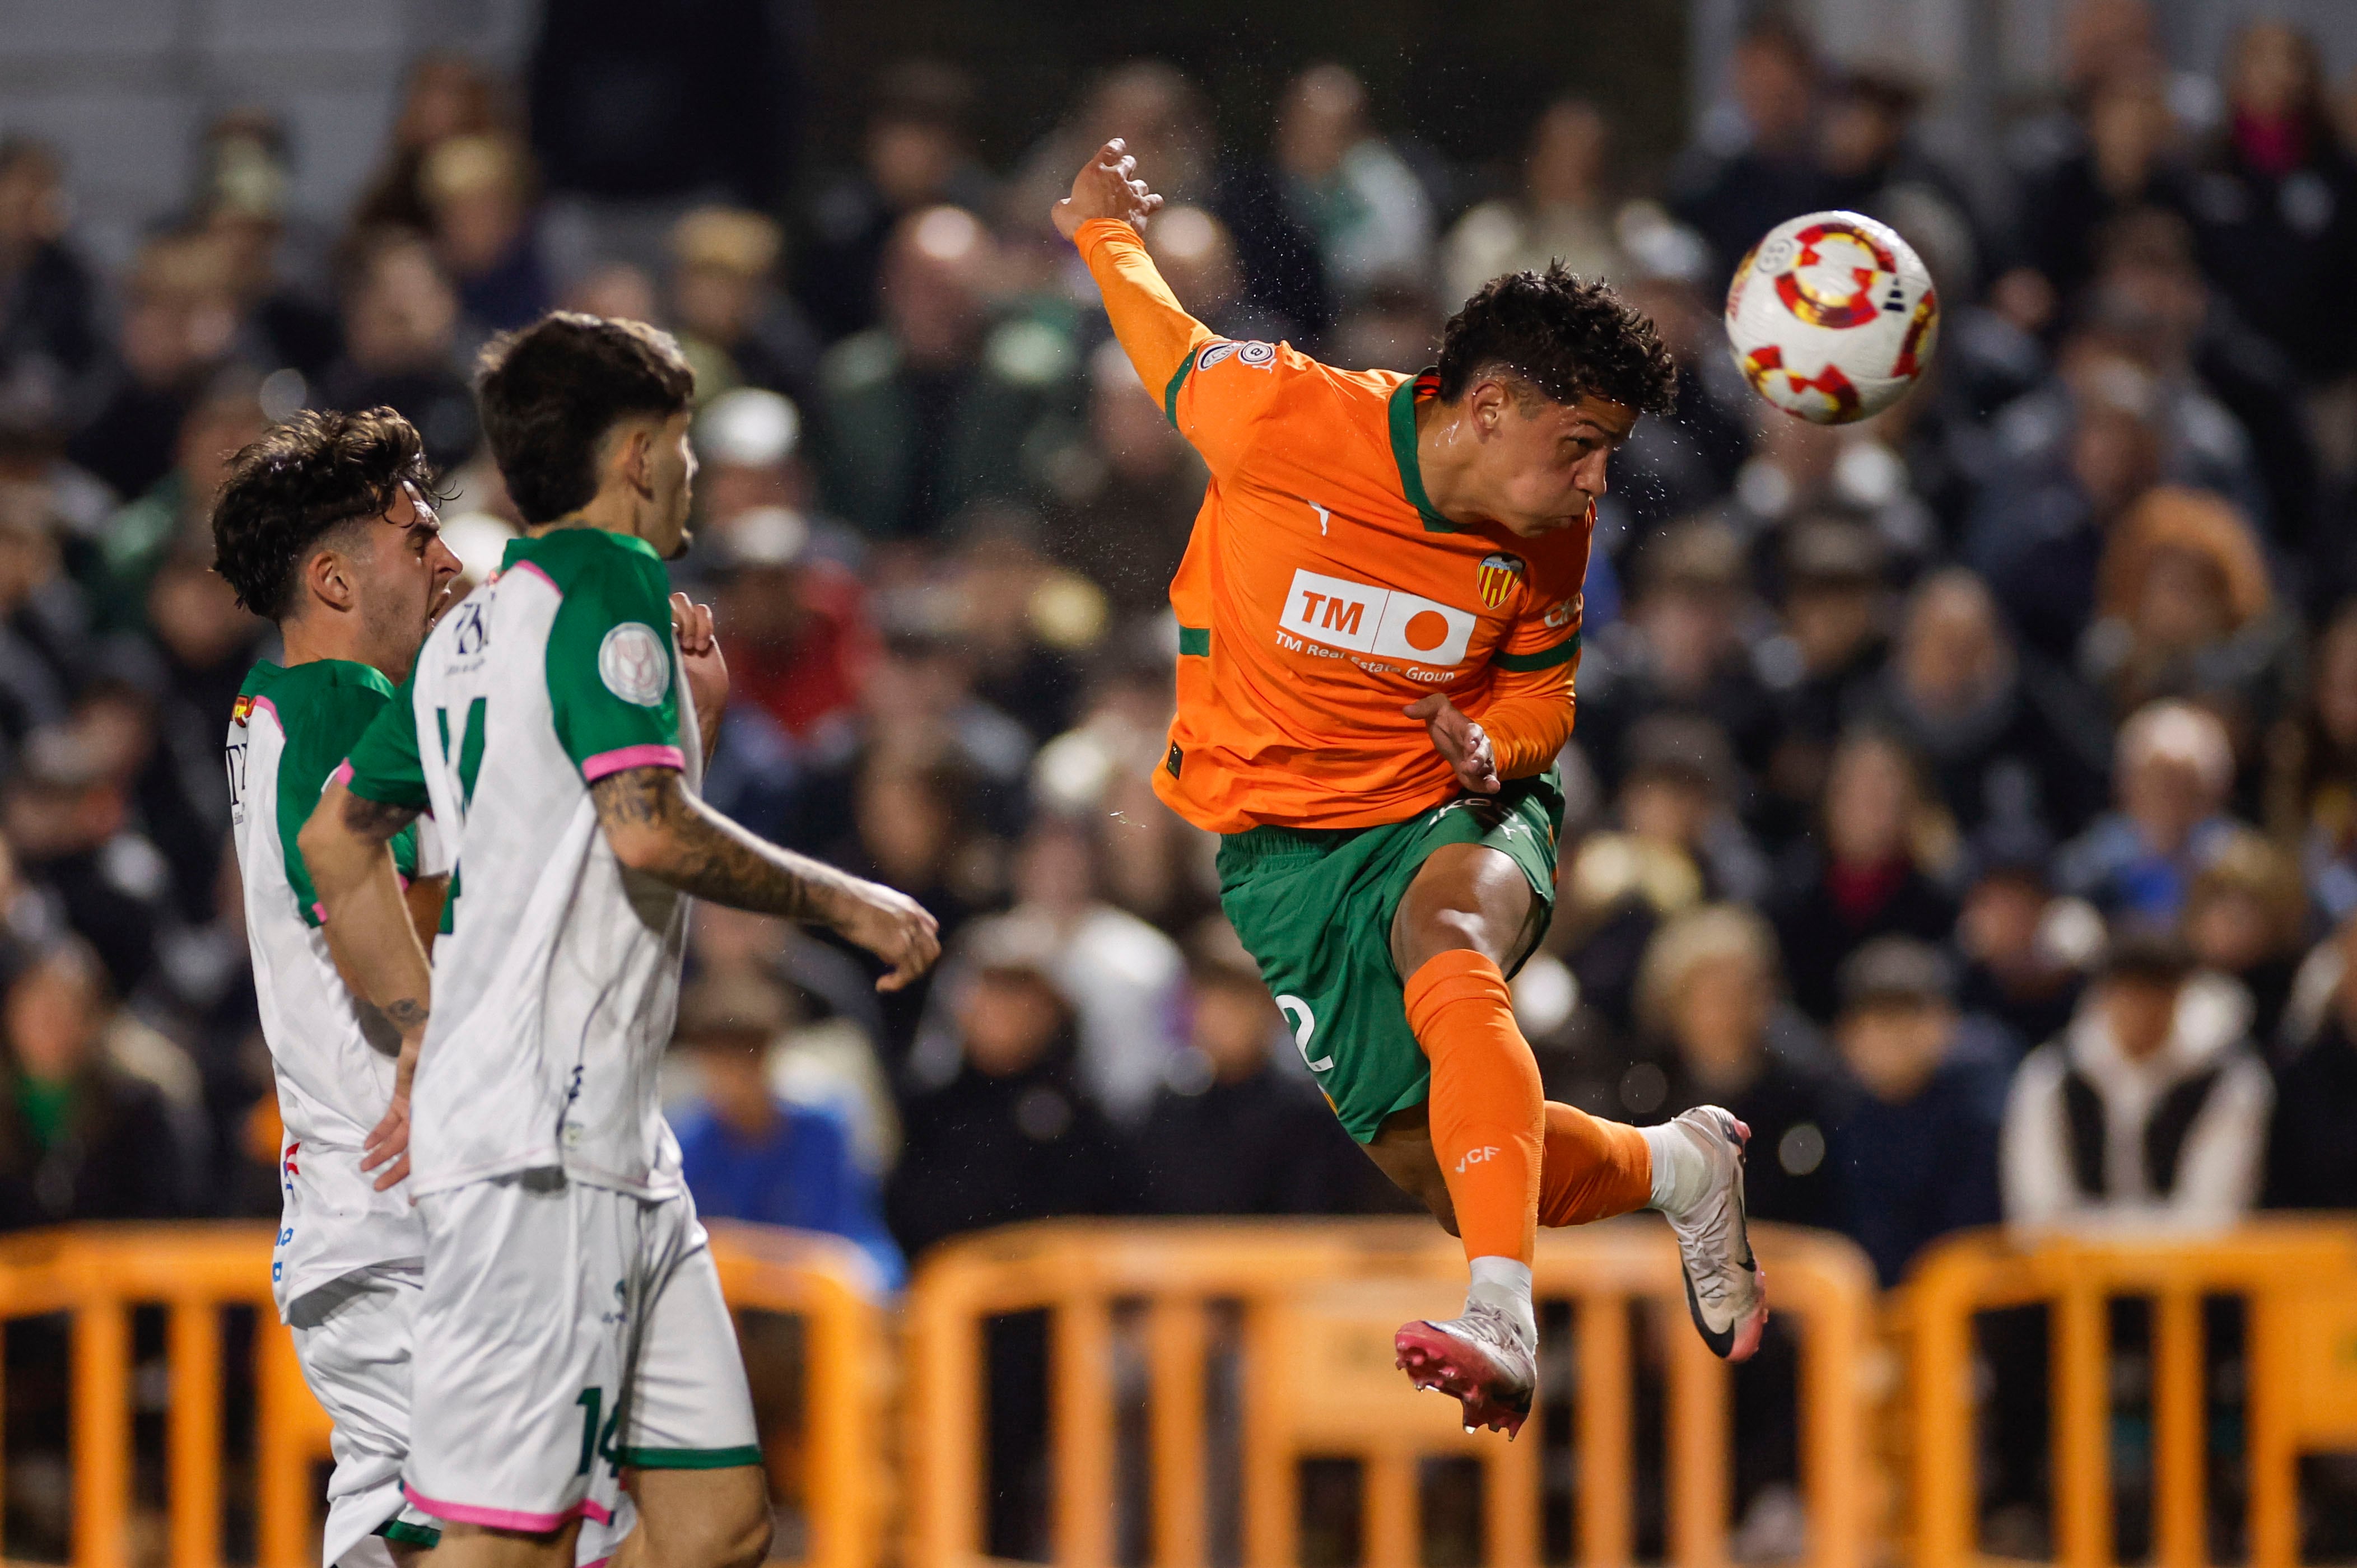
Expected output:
(1967, 798)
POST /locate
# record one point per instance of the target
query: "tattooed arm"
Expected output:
(657, 827)
(373, 934)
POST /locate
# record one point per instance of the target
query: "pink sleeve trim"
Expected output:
(535, 571)
(266, 705)
(342, 775)
(509, 1518)
(606, 762)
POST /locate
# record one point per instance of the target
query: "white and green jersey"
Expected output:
(333, 1063)
(557, 977)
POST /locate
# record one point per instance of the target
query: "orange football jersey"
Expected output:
(1320, 593)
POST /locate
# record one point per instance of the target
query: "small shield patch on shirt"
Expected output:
(634, 664)
(1499, 577)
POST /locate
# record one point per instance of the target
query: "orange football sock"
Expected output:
(1488, 1121)
(1594, 1170)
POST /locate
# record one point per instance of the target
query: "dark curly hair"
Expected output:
(1565, 338)
(318, 472)
(550, 391)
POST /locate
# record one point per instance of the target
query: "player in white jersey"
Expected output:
(325, 526)
(573, 1328)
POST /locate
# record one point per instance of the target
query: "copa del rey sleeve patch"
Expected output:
(634, 664)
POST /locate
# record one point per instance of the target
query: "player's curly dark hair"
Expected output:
(550, 391)
(1567, 338)
(318, 472)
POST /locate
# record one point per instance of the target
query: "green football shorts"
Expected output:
(1314, 908)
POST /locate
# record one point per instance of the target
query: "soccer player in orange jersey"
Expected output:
(1379, 619)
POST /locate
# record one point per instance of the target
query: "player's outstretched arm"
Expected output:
(373, 932)
(1154, 329)
(657, 827)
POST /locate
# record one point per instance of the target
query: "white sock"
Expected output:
(1505, 1283)
(1681, 1174)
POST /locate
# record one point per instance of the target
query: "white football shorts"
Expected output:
(566, 1333)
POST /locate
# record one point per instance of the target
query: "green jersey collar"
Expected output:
(1425, 384)
(520, 545)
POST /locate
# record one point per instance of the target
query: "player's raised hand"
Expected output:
(1464, 743)
(1107, 187)
(895, 928)
(701, 664)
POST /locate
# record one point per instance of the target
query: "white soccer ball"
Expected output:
(1831, 317)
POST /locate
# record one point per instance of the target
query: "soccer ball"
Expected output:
(1831, 317)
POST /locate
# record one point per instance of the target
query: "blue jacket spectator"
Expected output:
(1916, 1150)
(752, 1155)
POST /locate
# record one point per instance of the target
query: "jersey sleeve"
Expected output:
(1532, 704)
(321, 732)
(613, 678)
(383, 765)
(1216, 391)
(1544, 632)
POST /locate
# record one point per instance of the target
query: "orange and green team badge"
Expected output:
(1499, 577)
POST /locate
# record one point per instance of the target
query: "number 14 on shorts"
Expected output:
(597, 1441)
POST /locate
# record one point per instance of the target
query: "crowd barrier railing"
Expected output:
(97, 1275)
(2298, 1280)
(1317, 1303)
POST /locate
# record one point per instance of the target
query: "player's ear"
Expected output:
(1487, 402)
(328, 577)
(638, 456)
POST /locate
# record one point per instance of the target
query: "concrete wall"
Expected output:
(125, 87)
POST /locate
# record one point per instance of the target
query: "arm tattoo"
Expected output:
(706, 855)
(374, 820)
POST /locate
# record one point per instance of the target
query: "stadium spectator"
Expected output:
(2185, 610)
(2023, 950)
(2312, 770)
(50, 315)
(1834, 640)
(1679, 649)
(935, 409)
(1866, 875)
(445, 96)
(1125, 493)
(1348, 187)
(1196, 254)
(2036, 531)
(1873, 164)
(1123, 979)
(1009, 1134)
(241, 204)
(1563, 211)
(82, 1137)
(1915, 1154)
(1233, 1129)
(400, 343)
(480, 201)
(917, 152)
(2123, 159)
(2151, 1109)
(2246, 916)
(179, 319)
(175, 510)
(1749, 176)
(2174, 767)
(2275, 202)
(748, 1154)
(1709, 991)
(734, 326)
(2311, 1159)
(2002, 743)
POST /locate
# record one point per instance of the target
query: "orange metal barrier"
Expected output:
(100, 1273)
(1317, 1303)
(2300, 1281)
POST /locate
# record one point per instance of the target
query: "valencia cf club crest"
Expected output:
(1500, 576)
